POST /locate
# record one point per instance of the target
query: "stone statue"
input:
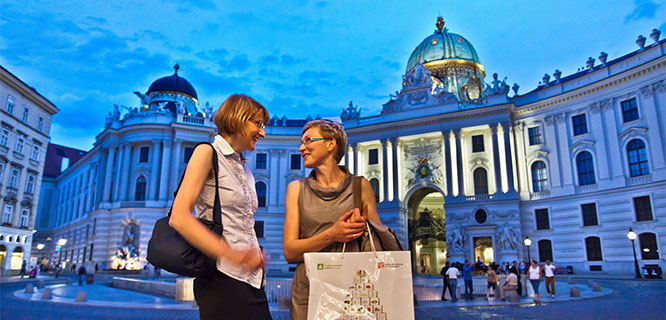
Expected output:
(437, 87)
(508, 239)
(115, 116)
(352, 112)
(455, 240)
(180, 107)
(145, 100)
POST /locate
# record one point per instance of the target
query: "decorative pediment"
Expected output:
(538, 154)
(293, 176)
(582, 144)
(633, 133)
(478, 162)
(261, 177)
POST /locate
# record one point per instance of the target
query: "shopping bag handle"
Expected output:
(372, 242)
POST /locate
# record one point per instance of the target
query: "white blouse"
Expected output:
(238, 201)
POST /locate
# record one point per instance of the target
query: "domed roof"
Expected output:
(173, 83)
(442, 45)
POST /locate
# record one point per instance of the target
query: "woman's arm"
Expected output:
(294, 248)
(368, 197)
(213, 245)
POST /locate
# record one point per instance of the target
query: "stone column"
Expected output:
(497, 159)
(89, 188)
(119, 168)
(282, 173)
(652, 118)
(614, 154)
(164, 171)
(385, 169)
(448, 162)
(124, 177)
(152, 194)
(395, 167)
(108, 174)
(563, 150)
(459, 164)
(554, 172)
(175, 167)
(508, 158)
(596, 124)
(274, 177)
(355, 158)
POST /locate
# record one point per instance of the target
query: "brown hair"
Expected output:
(231, 116)
(330, 130)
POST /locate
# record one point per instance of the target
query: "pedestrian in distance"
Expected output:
(549, 272)
(492, 282)
(467, 276)
(82, 274)
(515, 270)
(23, 269)
(452, 273)
(320, 215)
(510, 284)
(535, 279)
(445, 281)
(236, 290)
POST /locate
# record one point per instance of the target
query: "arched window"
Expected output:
(545, 250)
(140, 191)
(648, 244)
(593, 248)
(261, 193)
(638, 163)
(480, 181)
(374, 183)
(539, 176)
(585, 168)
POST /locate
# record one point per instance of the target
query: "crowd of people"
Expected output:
(510, 272)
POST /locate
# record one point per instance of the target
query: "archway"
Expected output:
(16, 259)
(3, 254)
(427, 231)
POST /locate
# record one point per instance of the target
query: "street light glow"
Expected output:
(527, 241)
(40, 246)
(631, 235)
(61, 242)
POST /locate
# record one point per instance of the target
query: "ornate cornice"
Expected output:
(647, 91)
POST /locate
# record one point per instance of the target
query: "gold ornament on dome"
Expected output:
(434, 42)
(440, 23)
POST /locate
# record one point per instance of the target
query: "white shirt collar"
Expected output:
(226, 148)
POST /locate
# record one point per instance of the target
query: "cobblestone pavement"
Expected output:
(630, 300)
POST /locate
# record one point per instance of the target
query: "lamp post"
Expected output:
(61, 243)
(632, 236)
(528, 243)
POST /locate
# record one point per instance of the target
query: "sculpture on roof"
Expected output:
(497, 87)
(419, 75)
(352, 112)
(145, 100)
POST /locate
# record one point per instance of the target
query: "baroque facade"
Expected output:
(25, 122)
(461, 168)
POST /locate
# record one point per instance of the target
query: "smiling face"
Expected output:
(315, 151)
(252, 132)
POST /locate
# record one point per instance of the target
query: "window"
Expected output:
(589, 214)
(477, 143)
(539, 179)
(638, 163)
(295, 163)
(261, 193)
(374, 183)
(629, 110)
(40, 123)
(26, 113)
(14, 178)
(187, 155)
(579, 124)
(545, 250)
(259, 228)
(34, 155)
(480, 216)
(542, 222)
(10, 104)
(643, 208)
(140, 192)
(648, 244)
(593, 248)
(23, 223)
(7, 213)
(373, 156)
(92, 245)
(143, 154)
(2, 171)
(535, 135)
(261, 161)
(30, 183)
(20, 142)
(585, 168)
(4, 137)
(480, 181)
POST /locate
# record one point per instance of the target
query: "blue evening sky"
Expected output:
(295, 57)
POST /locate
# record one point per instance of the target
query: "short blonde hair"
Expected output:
(330, 130)
(231, 116)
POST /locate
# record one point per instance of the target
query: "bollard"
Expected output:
(81, 296)
(285, 302)
(29, 289)
(574, 292)
(40, 284)
(596, 288)
(46, 294)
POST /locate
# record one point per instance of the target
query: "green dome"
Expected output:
(442, 45)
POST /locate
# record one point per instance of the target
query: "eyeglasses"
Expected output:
(309, 140)
(259, 123)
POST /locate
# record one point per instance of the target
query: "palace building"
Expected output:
(463, 166)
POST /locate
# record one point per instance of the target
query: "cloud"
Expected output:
(310, 74)
(153, 34)
(239, 62)
(213, 55)
(643, 9)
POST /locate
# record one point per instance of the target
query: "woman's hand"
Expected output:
(348, 227)
(248, 259)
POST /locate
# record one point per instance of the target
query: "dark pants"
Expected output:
(453, 287)
(222, 297)
(446, 285)
(81, 277)
(469, 289)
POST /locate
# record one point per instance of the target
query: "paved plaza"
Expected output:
(620, 299)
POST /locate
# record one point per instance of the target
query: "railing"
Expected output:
(276, 288)
(194, 120)
(588, 188)
(639, 180)
(479, 197)
(540, 195)
(370, 120)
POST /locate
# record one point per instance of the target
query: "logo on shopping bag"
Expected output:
(380, 265)
(320, 266)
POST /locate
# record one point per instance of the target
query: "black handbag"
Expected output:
(168, 250)
(383, 237)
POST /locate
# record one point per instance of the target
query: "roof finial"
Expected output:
(176, 67)
(440, 23)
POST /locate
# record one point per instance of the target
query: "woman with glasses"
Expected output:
(320, 214)
(236, 291)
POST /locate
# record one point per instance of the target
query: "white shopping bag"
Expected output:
(360, 285)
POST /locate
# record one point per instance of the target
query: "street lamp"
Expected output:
(60, 243)
(528, 243)
(632, 236)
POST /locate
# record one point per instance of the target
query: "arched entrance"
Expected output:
(3, 254)
(426, 231)
(17, 259)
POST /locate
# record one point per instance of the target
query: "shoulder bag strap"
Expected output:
(356, 192)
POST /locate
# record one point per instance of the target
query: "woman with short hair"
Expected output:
(236, 290)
